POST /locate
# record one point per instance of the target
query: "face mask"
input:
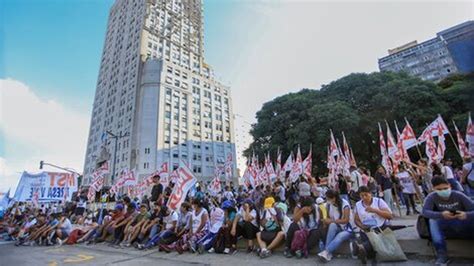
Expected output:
(445, 193)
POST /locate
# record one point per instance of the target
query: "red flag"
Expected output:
(184, 182)
(383, 151)
(307, 164)
(433, 128)
(296, 170)
(470, 135)
(333, 146)
(430, 149)
(464, 152)
(408, 136)
(402, 152)
(228, 167)
(289, 163)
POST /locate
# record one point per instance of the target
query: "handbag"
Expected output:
(423, 227)
(386, 245)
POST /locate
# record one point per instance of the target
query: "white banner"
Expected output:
(183, 184)
(46, 186)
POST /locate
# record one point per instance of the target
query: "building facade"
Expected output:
(156, 96)
(451, 51)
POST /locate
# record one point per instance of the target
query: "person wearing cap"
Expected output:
(450, 214)
(224, 242)
(245, 224)
(109, 226)
(120, 228)
(270, 235)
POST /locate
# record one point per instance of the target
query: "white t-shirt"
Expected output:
(467, 167)
(216, 219)
(286, 224)
(66, 225)
(333, 211)
(253, 213)
(356, 179)
(168, 220)
(196, 219)
(407, 182)
(448, 172)
(229, 195)
(368, 218)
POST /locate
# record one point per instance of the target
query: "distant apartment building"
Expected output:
(451, 51)
(155, 95)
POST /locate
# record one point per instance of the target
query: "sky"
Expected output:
(50, 54)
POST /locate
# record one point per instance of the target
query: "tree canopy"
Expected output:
(354, 105)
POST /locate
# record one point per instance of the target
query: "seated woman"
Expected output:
(370, 212)
(273, 221)
(339, 229)
(306, 217)
(198, 229)
(245, 224)
(224, 242)
(182, 228)
(216, 220)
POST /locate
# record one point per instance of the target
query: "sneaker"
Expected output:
(140, 246)
(265, 253)
(441, 261)
(249, 249)
(61, 242)
(226, 251)
(233, 251)
(324, 256)
(211, 250)
(257, 251)
(200, 249)
(289, 253)
(299, 254)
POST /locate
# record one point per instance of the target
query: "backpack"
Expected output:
(299, 241)
(423, 227)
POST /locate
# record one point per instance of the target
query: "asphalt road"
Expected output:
(104, 255)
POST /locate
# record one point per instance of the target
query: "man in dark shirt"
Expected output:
(385, 183)
(450, 214)
(157, 191)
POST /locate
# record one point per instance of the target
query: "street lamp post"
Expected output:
(115, 137)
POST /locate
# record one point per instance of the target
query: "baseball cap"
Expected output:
(268, 202)
(119, 207)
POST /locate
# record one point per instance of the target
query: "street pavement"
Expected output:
(102, 254)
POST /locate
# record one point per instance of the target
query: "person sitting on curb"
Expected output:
(450, 214)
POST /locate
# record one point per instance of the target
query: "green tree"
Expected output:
(354, 105)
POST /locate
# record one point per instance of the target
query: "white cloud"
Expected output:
(37, 129)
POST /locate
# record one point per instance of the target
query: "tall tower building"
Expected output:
(156, 99)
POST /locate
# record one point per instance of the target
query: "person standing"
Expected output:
(408, 188)
(157, 191)
(385, 183)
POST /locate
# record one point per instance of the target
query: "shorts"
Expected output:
(79, 211)
(268, 236)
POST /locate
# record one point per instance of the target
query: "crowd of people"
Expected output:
(302, 217)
